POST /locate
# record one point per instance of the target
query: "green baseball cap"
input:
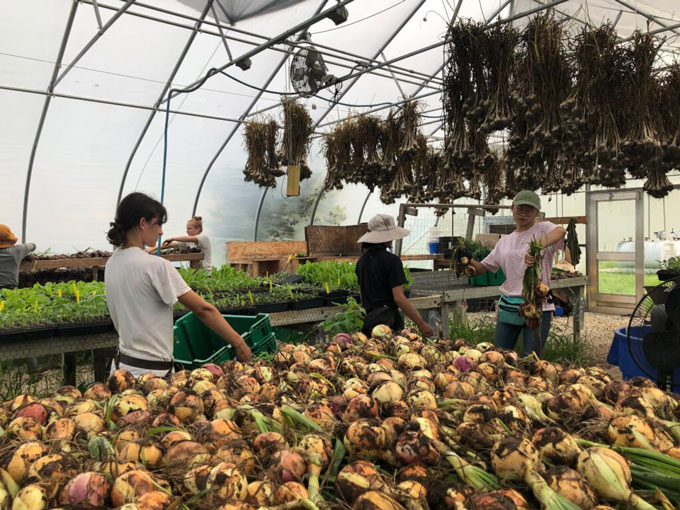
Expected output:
(527, 197)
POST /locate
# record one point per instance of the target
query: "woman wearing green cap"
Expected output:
(511, 254)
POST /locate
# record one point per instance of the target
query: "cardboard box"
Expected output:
(488, 240)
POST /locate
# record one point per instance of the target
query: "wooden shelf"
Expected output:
(92, 262)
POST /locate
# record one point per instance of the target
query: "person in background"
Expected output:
(511, 254)
(11, 255)
(195, 236)
(141, 291)
(381, 278)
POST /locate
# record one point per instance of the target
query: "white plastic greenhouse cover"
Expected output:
(77, 128)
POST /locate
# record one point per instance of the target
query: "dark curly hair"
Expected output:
(130, 210)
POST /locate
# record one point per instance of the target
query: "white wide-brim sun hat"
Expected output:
(382, 229)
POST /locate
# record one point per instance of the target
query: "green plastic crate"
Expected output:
(488, 278)
(195, 344)
(497, 278)
(480, 280)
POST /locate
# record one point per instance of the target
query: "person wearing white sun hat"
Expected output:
(381, 278)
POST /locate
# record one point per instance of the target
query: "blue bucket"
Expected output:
(619, 354)
(433, 247)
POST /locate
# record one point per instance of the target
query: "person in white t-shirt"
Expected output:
(195, 236)
(141, 290)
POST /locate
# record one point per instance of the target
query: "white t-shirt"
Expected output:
(204, 245)
(141, 290)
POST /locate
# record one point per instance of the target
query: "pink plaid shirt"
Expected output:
(508, 255)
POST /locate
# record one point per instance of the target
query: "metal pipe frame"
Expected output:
(43, 115)
(403, 74)
(235, 129)
(650, 17)
(161, 96)
(92, 41)
(280, 38)
(336, 52)
(494, 14)
(354, 81)
(118, 103)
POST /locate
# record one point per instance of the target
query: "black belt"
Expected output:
(143, 363)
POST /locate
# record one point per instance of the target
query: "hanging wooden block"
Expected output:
(293, 181)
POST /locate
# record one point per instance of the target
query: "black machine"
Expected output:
(657, 315)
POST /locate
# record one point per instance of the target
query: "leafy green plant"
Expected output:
(672, 264)
(53, 303)
(349, 320)
(337, 275)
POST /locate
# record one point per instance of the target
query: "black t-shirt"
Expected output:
(379, 271)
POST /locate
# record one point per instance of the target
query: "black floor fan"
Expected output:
(657, 353)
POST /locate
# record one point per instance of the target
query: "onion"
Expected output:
(33, 410)
(143, 451)
(411, 361)
(374, 500)
(414, 447)
(570, 485)
(443, 379)
(25, 429)
(458, 389)
(381, 331)
(88, 424)
(81, 406)
(388, 391)
(171, 438)
(615, 389)
(360, 406)
(317, 450)
(556, 446)
(260, 493)
(217, 433)
(227, 482)
(463, 364)
(154, 500)
(411, 494)
(121, 380)
(322, 415)
(479, 413)
(289, 466)
(62, 429)
(53, 471)
(356, 478)
(31, 497)
(196, 479)
(20, 401)
(238, 453)
(185, 455)
(514, 419)
(354, 386)
(131, 485)
(413, 472)
(186, 405)
(609, 474)
(512, 457)
(498, 500)
(99, 392)
(99, 448)
(398, 408)
(367, 439)
(86, 490)
(475, 435)
(23, 457)
(267, 443)
(128, 404)
(290, 492)
(638, 433)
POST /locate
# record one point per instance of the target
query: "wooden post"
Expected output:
(578, 313)
(69, 367)
(472, 213)
(444, 312)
